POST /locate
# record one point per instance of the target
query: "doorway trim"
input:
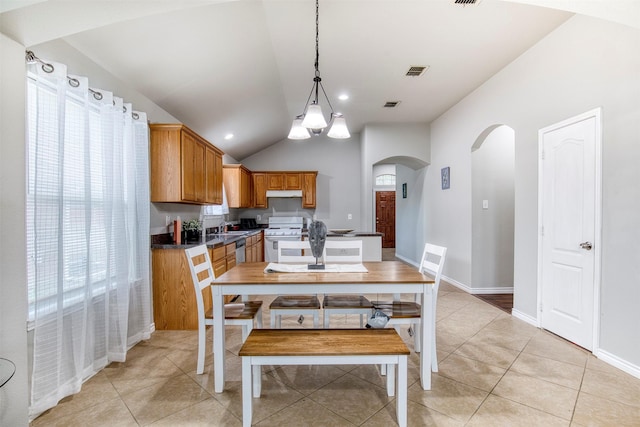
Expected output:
(597, 114)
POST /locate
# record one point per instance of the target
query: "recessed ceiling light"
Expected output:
(228, 136)
(343, 97)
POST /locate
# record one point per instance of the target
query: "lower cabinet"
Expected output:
(174, 298)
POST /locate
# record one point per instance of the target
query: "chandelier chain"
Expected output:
(317, 63)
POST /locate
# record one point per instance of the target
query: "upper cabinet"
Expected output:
(259, 189)
(185, 168)
(285, 180)
(309, 189)
(238, 186)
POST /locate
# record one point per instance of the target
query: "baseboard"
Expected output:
(525, 317)
(496, 290)
(615, 361)
(152, 327)
(457, 284)
(407, 260)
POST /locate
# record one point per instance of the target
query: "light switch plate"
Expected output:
(485, 204)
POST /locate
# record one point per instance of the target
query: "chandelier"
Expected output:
(312, 118)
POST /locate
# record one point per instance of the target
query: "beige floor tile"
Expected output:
(595, 411)
(206, 413)
(539, 394)
(305, 412)
(417, 415)
(449, 397)
(500, 338)
(548, 345)
(163, 399)
(561, 373)
(470, 372)
(141, 372)
(307, 378)
(618, 386)
(275, 397)
(489, 354)
(106, 414)
(95, 391)
(497, 412)
(354, 399)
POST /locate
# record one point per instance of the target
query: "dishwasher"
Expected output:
(240, 250)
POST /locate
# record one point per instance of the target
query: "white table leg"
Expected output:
(257, 380)
(427, 327)
(218, 338)
(401, 398)
(246, 391)
(391, 379)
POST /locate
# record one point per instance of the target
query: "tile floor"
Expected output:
(495, 370)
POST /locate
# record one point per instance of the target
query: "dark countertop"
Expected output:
(165, 241)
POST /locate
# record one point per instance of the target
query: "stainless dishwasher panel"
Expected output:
(240, 250)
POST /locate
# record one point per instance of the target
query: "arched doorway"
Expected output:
(493, 211)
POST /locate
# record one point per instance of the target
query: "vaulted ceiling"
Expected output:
(246, 67)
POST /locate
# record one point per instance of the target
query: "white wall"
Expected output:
(584, 64)
(492, 228)
(406, 144)
(13, 269)
(338, 184)
(410, 215)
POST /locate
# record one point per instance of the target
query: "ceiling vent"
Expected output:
(465, 1)
(416, 71)
(391, 104)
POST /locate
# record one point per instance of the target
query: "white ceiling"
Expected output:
(246, 67)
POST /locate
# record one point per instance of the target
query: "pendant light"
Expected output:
(312, 118)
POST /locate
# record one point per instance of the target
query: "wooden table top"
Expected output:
(378, 272)
(323, 342)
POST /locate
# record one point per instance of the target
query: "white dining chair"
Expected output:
(237, 314)
(408, 312)
(298, 252)
(347, 252)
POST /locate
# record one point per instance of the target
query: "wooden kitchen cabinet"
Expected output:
(238, 185)
(255, 248)
(259, 180)
(284, 181)
(185, 168)
(174, 298)
(309, 189)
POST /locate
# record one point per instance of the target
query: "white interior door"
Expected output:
(569, 236)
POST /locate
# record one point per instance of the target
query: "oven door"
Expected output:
(271, 246)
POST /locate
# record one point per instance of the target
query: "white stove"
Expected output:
(281, 228)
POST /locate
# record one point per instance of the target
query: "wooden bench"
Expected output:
(323, 347)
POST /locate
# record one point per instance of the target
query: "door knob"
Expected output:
(586, 245)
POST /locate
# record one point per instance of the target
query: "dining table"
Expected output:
(385, 277)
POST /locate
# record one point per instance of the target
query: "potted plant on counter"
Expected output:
(193, 229)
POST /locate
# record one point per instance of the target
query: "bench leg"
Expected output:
(257, 380)
(401, 398)
(391, 379)
(246, 391)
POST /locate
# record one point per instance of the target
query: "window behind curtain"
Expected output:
(87, 231)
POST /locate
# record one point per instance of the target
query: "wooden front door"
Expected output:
(386, 217)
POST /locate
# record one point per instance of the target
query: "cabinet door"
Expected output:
(213, 180)
(193, 169)
(259, 190)
(293, 181)
(275, 181)
(245, 188)
(309, 190)
(217, 178)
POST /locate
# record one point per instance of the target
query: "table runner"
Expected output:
(275, 267)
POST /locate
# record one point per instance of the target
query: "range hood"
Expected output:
(284, 193)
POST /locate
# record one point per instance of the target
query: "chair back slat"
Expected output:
(202, 274)
(432, 262)
(295, 251)
(337, 251)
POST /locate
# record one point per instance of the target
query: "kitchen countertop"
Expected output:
(350, 234)
(211, 240)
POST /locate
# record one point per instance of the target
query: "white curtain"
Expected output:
(87, 231)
